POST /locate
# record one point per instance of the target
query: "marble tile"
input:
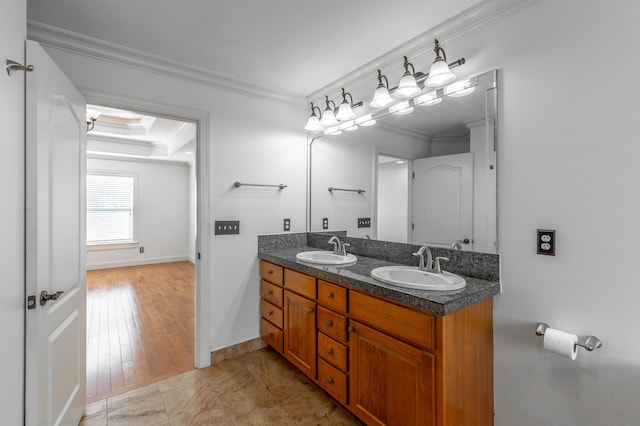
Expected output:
(149, 411)
(132, 397)
(95, 409)
(96, 420)
(235, 351)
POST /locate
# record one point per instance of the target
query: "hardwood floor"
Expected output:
(139, 326)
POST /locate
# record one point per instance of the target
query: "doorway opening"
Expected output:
(141, 249)
(392, 221)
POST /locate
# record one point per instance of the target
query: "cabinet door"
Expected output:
(392, 383)
(300, 332)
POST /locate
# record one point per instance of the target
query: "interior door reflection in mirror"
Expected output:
(428, 177)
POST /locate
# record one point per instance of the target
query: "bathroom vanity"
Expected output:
(390, 356)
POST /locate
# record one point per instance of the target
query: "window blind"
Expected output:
(109, 208)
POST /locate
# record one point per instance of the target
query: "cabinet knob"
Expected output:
(330, 351)
(270, 313)
(329, 295)
(330, 380)
(350, 329)
(270, 292)
(329, 323)
(270, 272)
(308, 310)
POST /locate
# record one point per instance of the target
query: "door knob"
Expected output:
(45, 296)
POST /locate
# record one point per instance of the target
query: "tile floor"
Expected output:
(258, 388)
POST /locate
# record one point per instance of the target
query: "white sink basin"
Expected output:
(322, 257)
(412, 277)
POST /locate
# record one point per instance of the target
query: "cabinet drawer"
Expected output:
(271, 334)
(332, 324)
(332, 296)
(333, 352)
(333, 381)
(271, 272)
(300, 283)
(411, 326)
(271, 313)
(271, 292)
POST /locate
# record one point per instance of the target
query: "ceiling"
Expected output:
(291, 47)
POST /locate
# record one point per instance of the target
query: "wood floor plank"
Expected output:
(139, 326)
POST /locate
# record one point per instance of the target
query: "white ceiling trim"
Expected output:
(58, 38)
(137, 159)
(451, 29)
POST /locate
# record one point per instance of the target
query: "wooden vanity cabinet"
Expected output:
(300, 332)
(271, 305)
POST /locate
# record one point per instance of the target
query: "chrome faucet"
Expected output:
(429, 265)
(339, 247)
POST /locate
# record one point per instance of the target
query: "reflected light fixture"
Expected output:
(92, 116)
(313, 123)
(349, 126)
(328, 119)
(381, 97)
(440, 74)
(427, 99)
(459, 89)
(345, 111)
(365, 120)
(333, 131)
(408, 86)
(401, 108)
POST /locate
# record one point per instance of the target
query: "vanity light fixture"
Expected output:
(381, 97)
(427, 99)
(313, 123)
(459, 89)
(345, 111)
(365, 120)
(401, 108)
(349, 126)
(333, 131)
(92, 116)
(408, 86)
(328, 118)
(440, 73)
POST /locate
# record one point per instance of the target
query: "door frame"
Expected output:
(202, 352)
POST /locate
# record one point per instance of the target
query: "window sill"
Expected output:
(111, 246)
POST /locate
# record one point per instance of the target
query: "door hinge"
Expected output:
(198, 255)
(31, 302)
(413, 226)
(413, 175)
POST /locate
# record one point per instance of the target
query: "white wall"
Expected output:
(13, 32)
(568, 156)
(252, 140)
(162, 207)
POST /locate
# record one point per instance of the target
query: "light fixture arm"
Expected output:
(406, 66)
(344, 99)
(328, 102)
(313, 110)
(437, 49)
(380, 77)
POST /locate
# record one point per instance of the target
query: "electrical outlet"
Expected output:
(287, 225)
(227, 227)
(141, 249)
(325, 223)
(546, 242)
(364, 222)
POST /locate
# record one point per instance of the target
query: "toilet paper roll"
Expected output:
(561, 343)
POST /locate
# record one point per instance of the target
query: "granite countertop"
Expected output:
(358, 277)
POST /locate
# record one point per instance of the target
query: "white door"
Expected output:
(55, 221)
(443, 200)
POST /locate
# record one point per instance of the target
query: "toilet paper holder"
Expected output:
(588, 342)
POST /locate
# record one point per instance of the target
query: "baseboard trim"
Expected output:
(125, 263)
(237, 350)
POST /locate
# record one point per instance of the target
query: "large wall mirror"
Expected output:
(424, 177)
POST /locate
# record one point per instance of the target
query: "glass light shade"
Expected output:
(381, 97)
(408, 87)
(345, 112)
(401, 108)
(92, 114)
(333, 131)
(427, 99)
(328, 119)
(365, 120)
(459, 89)
(439, 74)
(313, 124)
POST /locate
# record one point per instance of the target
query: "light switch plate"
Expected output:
(546, 242)
(226, 227)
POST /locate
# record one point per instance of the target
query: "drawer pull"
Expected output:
(329, 323)
(329, 295)
(330, 380)
(270, 335)
(308, 310)
(330, 351)
(270, 292)
(350, 330)
(270, 272)
(270, 313)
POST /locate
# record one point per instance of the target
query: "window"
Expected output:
(110, 208)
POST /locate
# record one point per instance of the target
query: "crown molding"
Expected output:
(69, 41)
(469, 20)
(137, 159)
